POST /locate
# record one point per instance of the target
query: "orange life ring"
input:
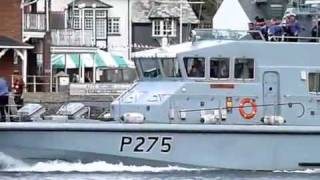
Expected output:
(242, 105)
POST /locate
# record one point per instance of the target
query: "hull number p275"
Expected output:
(145, 144)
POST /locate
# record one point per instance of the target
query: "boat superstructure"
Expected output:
(279, 78)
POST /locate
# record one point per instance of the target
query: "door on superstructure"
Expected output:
(271, 93)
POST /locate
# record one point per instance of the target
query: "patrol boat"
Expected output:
(225, 100)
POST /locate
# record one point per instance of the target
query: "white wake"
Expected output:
(305, 171)
(10, 164)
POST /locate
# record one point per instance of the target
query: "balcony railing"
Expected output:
(303, 9)
(34, 22)
(72, 37)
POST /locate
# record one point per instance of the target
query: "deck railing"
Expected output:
(303, 9)
(72, 37)
(34, 22)
(38, 83)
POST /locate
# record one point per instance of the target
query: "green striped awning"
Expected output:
(100, 59)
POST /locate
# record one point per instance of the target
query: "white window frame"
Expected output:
(76, 19)
(202, 58)
(88, 19)
(163, 30)
(254, 69)
(104, 14)
(113, 25)
(104, 28)
(220, 58)
(318, 74)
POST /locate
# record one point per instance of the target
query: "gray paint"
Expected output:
(217, 146)
(261, 9)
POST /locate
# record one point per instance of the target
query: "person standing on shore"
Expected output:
(4, 97)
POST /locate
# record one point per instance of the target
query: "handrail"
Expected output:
(225, 34)
(33, 81)
(72, 37)
(34, 21)
(283, 38)
(258, 105)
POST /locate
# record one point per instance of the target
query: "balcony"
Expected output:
(34, 22)
(72, 38)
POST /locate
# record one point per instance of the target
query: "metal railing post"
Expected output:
(50, 83)
(34, 84)
(57, 90)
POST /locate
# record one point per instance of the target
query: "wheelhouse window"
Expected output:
(158, 68)
(219, 68)
(170, 68)
(244, 68)
(150, 68)
(195, 66)
(314, 82)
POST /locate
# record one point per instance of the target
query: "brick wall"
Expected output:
(7, 67)
(10, 18)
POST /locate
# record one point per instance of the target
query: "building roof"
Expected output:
(164, 11)
(7, 42)
(89, 3)
(144, 10)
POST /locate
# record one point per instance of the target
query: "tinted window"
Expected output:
(314, 82)
(243, 68)
(150, 68)
(170, 68)
(194, 66)
(219, 67)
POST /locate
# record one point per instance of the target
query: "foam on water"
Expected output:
(305, 171)
(7, 162)
(10, 164)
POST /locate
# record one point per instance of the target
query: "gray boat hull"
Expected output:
(255, 147)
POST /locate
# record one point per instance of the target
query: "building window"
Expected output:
(194, 66)
(88, 23)
(101, 28)
(156, 28)
(88, 19)
(219, 67)
(88, 13)
(244, 68)
(76, 13)
(76, 23)
(75, 17)
(101, 13)
(162, 28)
(314, 82)
(113, 25)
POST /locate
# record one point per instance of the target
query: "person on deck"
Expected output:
(293, 27)
(275, 30)
(17, 88)
(4, 98)
(315, 32)
(260, 25)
